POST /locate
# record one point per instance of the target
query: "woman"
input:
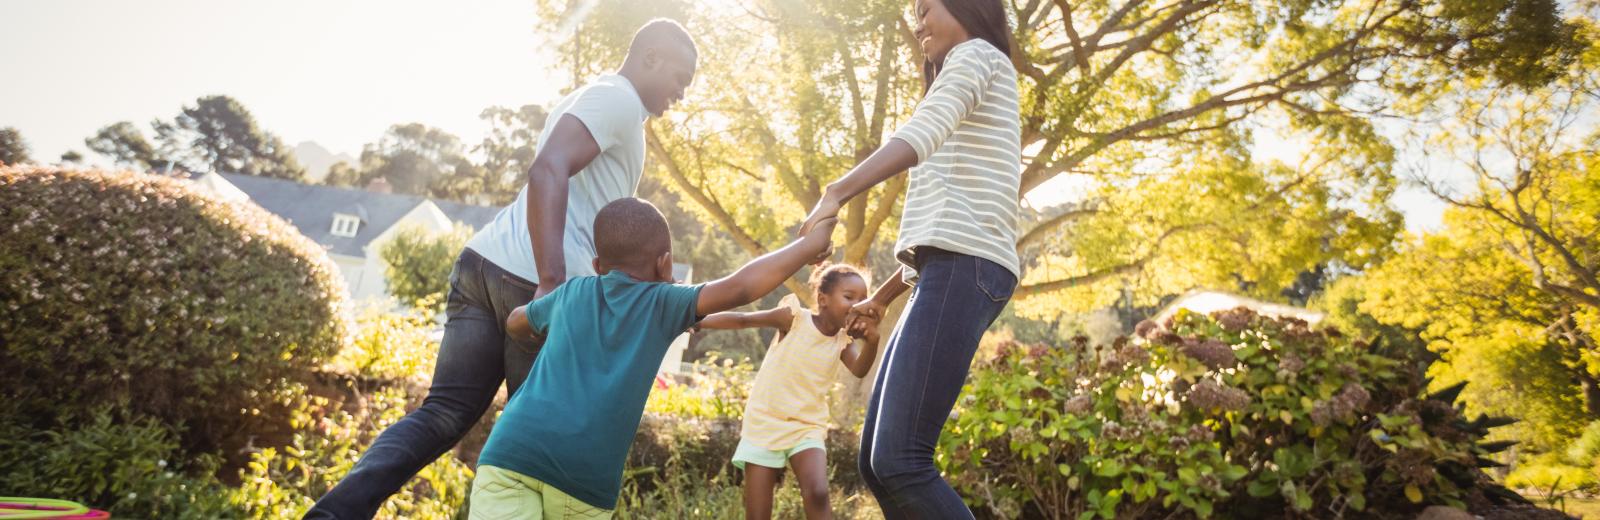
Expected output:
(957, 245)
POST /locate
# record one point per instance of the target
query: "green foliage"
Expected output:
(1239, 414)
(13, 149)
(124, 144)
(389, 345)
(417, 159)
(717, 393)
(285, 482)
(508, 148)
(218, 134)
(417, 261)
(134, 469)
(143, 293)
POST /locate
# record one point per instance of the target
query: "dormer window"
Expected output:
(345, 225)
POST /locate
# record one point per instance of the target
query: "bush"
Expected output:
(417, 262)
(140, 292)
(130, 468)
(1253, 416)
(285, 482)
(391, 345)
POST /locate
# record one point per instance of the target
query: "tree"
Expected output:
(218, 134)
(1122, 102)
(417, 262)
(342, 174)
(1507, 290)
(1476, 306)
(125, 145)
(72, 157)
(13, 149)
(508, 149)
(421, 160)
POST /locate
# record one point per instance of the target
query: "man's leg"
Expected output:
(465, 378)
(509, 292)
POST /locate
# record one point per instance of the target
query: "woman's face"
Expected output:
(937, 30)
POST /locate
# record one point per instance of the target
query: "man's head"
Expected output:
(631, 235)
(661, 64)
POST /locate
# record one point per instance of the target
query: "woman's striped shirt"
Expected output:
(963, 194)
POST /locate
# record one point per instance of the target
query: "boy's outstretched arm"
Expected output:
(777, 318)
(764, 274)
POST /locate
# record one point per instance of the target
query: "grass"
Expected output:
(1586, 508)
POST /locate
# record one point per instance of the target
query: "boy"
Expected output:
(558, 450)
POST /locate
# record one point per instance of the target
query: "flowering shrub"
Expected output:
(1235, 413)
(132, 468)
(139, 292)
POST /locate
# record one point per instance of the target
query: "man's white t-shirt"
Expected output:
(612, 111)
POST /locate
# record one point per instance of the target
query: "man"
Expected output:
(590, 153)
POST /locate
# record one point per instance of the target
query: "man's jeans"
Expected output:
(474, 357)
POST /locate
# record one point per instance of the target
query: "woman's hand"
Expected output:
(863, 317)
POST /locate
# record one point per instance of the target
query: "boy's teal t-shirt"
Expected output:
(571, 423)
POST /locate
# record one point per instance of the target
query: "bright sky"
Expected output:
(335, 72)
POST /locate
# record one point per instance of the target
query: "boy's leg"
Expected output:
(466, 376)
(499, 494)
(759, 484)
(811, 473)
(561, 506)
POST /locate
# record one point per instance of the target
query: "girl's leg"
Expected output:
(759, 484)
(811, 473)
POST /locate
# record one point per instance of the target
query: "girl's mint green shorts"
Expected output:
(778, 459)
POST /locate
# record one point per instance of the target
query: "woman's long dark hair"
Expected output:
(985, 19)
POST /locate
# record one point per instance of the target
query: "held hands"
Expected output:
(826, 213)
(819, 234)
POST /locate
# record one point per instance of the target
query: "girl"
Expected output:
(957, 245)
(786, 417)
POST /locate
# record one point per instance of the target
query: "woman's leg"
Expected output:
(868, 429)
(958, 297)
(811, 473)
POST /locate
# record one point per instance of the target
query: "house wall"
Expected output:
(355, 272)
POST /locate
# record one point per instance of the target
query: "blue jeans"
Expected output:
(925, 364)
(474, 357)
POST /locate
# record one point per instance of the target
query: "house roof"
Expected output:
(311, 207)
(1207, 302)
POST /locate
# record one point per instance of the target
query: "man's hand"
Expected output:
(827, 208)
(544, 289)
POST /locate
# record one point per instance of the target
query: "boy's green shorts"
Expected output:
(501, 494)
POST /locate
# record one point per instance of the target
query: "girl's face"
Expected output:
(847, 291)
(937, 30)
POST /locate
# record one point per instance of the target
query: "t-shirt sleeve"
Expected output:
(956, 92)
(677, 304)
(539, 312)
(604, 111)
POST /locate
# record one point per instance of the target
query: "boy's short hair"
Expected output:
(630, 232)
